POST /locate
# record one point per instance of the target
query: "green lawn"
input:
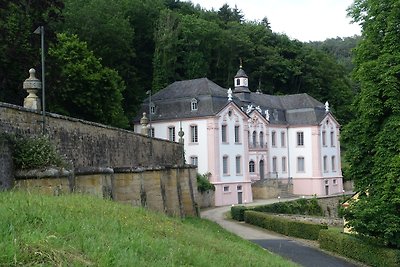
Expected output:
(77, 230)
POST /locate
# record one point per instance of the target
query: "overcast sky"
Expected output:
(305, 20)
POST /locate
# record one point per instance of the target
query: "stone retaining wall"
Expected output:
(83, 143)
(171, 190)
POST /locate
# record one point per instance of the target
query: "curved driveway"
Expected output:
(288, 248)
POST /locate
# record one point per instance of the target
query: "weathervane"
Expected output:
(241, 62)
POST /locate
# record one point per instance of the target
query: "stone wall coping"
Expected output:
(51, 172)
(62, 117)
(151, 168)
(93, 170)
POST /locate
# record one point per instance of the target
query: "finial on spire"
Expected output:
(241, 62)
(326, 106)
(229, 94)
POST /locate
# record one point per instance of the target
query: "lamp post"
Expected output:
(40, 30)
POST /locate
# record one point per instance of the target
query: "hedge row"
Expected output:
(300, 206)
(284, 226)
(237, 212)
(358, 249)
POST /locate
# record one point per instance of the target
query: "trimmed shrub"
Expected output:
(284, 226)
(237, 212)
(358, 249)
(300, 206)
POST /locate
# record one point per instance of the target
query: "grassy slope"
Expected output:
(80, 230)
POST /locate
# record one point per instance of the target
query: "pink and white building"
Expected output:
(240, 136)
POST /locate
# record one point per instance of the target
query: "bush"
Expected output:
(237, 212)
(358, 248)
(284, 226)
(300, 206)
(203, 184)
(34, 153)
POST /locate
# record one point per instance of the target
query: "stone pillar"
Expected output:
(32, 85)
(144, 121)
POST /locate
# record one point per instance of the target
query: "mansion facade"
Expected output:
(239, 137)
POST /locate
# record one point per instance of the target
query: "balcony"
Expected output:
(257, 146)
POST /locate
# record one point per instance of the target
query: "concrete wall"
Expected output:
(85, 143)
(169, 190)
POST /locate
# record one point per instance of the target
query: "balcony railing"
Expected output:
(257, 145)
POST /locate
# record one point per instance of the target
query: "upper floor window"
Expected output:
(223, 133)
(193, 104)
(238, 165)
(261, 139)
(171, 133)
(254, 139)
(325, 163)
(251, 166)
(300, 164)
(323, 138)
(237, 134)
(152, 108)
(194, 134)
(300, 138)
(237, 81)
(332, 138)
(273, 138)
(194, 160)
(283, 139)
(333, 162)
(225, 168)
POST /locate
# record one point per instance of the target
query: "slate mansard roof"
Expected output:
(174, 102)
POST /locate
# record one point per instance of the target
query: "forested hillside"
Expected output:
(102, 56)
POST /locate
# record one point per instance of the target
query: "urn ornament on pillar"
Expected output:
(32, 85)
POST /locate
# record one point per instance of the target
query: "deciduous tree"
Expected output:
(373, 150)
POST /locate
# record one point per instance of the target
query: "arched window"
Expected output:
(193, 104)
(261, 139)
(254, 139)
(251, 166)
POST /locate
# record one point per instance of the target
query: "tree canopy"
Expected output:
(373, 136)
(151, 43)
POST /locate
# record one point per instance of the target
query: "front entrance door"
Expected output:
(326, 189)
(262, 170)
(240, 197)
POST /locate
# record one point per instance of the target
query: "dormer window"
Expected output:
(152, 108)
(237, 81)
(193, 104)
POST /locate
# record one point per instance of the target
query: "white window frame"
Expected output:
(194, 160)
(238, 161)
(194, 134)
(325, 163)
(300, 138)
(237, 134)
(171, 133)
(252, 166)
(284, 164)
(283, 139)
(324, 138)
(194, 104)
(332, 139)
(273, 139)
(225, 165)
(274, 165)
(333, 162)
(224, 133)
(301, 164)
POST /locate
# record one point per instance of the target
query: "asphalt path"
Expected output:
(292, 249)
